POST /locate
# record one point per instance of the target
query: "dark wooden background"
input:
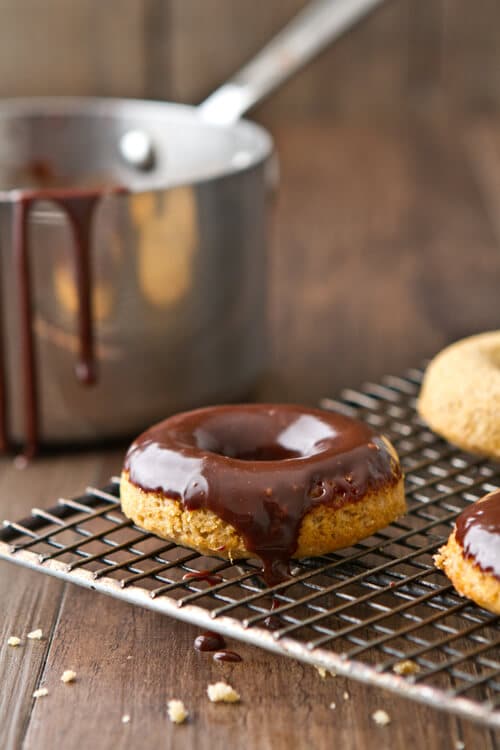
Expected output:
(409, 52)
(395, 126)
(386, 246)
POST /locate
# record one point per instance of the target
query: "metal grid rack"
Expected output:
(357, 612)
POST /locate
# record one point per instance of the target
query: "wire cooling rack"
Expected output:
(359, 612)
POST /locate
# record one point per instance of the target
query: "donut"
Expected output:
(471, 556)
(460, 395)
(262, 480)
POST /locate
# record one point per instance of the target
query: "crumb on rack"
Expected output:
(406, 667)
(346, 695)
(40, 692)
(381, 718)
(35, 635)
(177, 712)
(13, 640)
(125, 718)
(68, 676)
(324, 673)
(222, 692)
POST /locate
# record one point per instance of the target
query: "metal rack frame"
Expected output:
(357, 612)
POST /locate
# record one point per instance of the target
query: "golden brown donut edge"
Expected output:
(323, 529)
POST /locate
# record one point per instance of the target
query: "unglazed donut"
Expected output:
(267, 481)
(471, 556)
(460, 396)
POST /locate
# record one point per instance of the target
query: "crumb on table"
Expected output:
(68, 676)
(222, 692)
(177, 712)
(35, 635)
(13, 641)
(40, 692)
(323, 673)
(406, 667)
(381, 718)
(125, 718)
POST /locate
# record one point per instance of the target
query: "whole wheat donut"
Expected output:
(268, 481)
(471, 556)
(460, 396)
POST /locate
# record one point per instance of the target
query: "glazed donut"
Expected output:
(460, 396)
(266, 481)
(471, 556)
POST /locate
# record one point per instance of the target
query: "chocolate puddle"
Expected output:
(478, 533)
(225, 655)
(261, 468)
(209, 642)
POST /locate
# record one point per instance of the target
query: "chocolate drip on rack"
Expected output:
(203, 575)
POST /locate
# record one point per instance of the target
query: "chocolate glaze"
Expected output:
(209, 642)
(261, 468)
(203, 575)
(227, 656)
(478, 533)
(273, 622)
(78, 205)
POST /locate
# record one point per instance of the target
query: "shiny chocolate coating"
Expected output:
(261, 468)
(209, 642)
(478, 532)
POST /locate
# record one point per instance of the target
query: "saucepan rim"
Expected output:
(256, 140)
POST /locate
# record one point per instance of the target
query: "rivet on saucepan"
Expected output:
(136, 149)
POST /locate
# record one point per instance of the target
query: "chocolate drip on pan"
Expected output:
(78, 205)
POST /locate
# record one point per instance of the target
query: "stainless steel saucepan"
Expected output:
(179, 263)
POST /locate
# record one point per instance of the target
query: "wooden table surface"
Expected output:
(387, 246)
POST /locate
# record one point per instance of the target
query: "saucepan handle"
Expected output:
(321, 22)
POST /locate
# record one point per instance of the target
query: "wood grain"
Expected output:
(283, 703)
(408, 54)
(60, 48)
(28, 600)
(470, 74)
(386, 247)
(383, 236)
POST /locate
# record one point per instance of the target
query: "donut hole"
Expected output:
(263, 436)
(258, 453)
